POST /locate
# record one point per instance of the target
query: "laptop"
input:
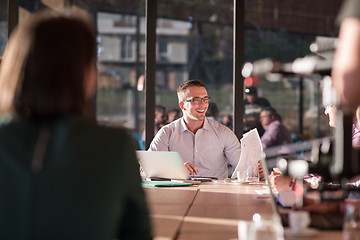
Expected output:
(162, 164)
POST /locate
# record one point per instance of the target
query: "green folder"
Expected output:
(164, 184)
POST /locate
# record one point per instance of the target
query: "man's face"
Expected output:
(251, 98)
(265, 119)
(331, 112)
(191, 110)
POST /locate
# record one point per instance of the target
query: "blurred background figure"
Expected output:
(161, 119)
(275, 132)
(252, 108)
(213, 111)
(330, 111)
(173, 114)
(62, 175)
(356, 129)
(227, 120)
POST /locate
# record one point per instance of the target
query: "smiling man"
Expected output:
(204, 144)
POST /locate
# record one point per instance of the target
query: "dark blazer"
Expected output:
(88, 188)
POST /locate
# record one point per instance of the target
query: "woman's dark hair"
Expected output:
(46, 60)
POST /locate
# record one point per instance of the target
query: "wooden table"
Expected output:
(208, 211)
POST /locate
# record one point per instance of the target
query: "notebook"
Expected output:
(164, 184)
(162, 164)
(250, 151)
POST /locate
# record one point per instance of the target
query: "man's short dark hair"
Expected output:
(189, 83)
(186, 84)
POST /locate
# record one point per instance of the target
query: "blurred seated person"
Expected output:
(161, 119)
(212, 112)
(253, 104)
(227, 120)
(173, 114)
(284, 183)
(62, 176)
(275, 132)
(330, 111)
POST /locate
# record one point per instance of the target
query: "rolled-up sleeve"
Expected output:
(232, 148)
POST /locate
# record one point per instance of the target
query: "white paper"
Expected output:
(251, 149)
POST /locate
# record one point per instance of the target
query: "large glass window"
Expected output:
(195, 41)
(121, 39)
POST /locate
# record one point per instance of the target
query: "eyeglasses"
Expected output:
(198, 100)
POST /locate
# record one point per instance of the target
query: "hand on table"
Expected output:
(191, 168)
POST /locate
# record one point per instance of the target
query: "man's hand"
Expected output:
(191, 168)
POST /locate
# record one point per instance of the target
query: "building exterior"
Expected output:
(118, 58)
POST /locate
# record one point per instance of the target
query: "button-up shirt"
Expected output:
(209, 149)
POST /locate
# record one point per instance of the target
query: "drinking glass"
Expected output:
(266, 227)
(252, 174)
(351, 227)
(241, 176)
(243, 230)
(299, 221)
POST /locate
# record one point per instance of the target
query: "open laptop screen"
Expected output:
(162, 164)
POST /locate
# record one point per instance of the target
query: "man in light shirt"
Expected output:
(206, 146)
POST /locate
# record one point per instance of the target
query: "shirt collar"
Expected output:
(183, 125)
(184, 128)
(206, 125)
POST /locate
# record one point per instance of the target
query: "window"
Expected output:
(195, 41)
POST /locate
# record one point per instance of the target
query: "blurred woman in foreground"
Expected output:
(62, 176)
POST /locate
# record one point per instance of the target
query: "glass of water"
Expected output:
(266, 227)
(351, 227)
(252, 174)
